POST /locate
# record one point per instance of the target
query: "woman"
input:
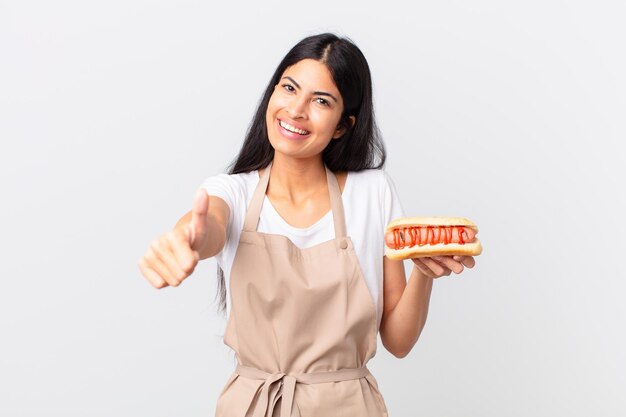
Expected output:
(303, 253)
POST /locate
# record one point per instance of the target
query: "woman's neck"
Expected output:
(296, 180)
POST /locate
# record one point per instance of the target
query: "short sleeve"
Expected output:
(392, 207)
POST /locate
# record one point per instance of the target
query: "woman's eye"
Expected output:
(322, 101)
(289, 88)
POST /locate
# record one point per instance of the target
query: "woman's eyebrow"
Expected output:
(317, 93)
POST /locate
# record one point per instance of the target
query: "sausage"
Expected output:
(402, 237)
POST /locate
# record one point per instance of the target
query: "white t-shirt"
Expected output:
(370, 202)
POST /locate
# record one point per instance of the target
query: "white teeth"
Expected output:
(293, 129)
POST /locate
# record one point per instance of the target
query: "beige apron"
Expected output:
(302, 324)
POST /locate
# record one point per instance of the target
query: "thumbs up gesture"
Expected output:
(172, 257)
(197, 229)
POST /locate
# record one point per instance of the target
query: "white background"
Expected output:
(508, 113)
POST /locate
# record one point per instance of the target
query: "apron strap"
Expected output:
(336, 203)
(254, 209)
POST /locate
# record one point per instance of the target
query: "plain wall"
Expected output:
(508, 113)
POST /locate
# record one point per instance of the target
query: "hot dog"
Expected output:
(417, 237)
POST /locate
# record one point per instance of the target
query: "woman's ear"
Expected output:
(341, 129)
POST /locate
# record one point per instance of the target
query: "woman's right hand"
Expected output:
(172, 257)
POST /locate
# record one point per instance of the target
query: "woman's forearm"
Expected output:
(405, 322)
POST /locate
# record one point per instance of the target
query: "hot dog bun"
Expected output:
(472, 247)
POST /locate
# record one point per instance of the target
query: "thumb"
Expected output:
(198, 223)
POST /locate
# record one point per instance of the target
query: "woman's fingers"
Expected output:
(186, 258)
(468, 261)
(169, 260)
(431, 268)
(154, 269)
(437, 268)
(165, 263)
(423, 268)
(450, 263)
(152, 277)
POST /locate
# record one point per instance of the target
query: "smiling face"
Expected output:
(304, 110)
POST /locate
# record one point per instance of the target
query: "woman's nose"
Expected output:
(297, 107)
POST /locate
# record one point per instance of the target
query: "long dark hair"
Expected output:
(361, 147)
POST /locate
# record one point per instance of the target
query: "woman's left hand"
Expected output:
(439, 266)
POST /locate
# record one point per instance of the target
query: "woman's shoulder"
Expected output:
(240, 178)
(235, 184)
(371, 184)
(370, 176)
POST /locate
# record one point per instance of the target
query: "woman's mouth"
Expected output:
(291, 131)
